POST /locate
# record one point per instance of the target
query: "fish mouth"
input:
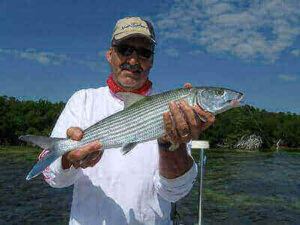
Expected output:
(236, 102)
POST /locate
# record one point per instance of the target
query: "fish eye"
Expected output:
(219, 92)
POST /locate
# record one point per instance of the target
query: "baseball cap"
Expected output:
(132, 27)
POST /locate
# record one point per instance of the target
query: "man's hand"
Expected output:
(186, 124)
(83, 157)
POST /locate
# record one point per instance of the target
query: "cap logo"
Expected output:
(134, 25)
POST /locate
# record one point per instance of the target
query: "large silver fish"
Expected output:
(140, 121)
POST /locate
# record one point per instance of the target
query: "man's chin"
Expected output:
(127, 82)
(130, 80)
(129, 85)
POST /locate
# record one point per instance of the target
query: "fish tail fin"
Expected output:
(46, 143)
(41, 141)
(43, 163)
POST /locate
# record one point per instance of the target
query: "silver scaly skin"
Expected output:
(140, 121)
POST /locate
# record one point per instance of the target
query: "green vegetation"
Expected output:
(271, 127)
(38, 117)
(19, 154)
(26, 117)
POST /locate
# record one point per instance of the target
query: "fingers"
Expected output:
(75, 133)
(81, 153)
(210, 118)
(92, 159)
(185, 123)
(187, 85)
(191, 118)
(171, 131)
(85, 156)
(181, 124)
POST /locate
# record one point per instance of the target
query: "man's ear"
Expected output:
(152, 61)
(109, 55)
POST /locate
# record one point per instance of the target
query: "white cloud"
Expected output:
(56, 59)
(42, 57)
(220, 8)
(247, 29)
(296, 52)
(288, 77)
(173, 52)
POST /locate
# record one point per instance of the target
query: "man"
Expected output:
(137, 188)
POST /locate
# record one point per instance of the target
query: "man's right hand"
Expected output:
(83, 157)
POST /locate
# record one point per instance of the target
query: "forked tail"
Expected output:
(45, 143)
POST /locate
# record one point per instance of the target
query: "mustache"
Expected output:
(134, 68)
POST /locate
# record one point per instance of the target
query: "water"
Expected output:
(247, 188)
(29, 203)
(238, 188)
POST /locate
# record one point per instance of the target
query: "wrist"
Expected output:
(175, 164)
(164, 145)
(167, 146)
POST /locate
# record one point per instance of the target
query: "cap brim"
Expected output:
(117, 41)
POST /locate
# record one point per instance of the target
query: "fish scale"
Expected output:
(140, 122)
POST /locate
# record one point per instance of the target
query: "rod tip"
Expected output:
(200, 144)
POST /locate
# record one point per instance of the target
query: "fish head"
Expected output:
(217, 100)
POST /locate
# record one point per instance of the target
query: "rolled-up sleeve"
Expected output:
(58, 177)
(173, 190)
(71, 116)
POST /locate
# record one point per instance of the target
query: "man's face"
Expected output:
(126, 76)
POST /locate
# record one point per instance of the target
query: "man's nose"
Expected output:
(133, 58)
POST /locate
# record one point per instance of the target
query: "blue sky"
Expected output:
(50, 49)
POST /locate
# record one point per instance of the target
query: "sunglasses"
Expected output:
(127, 50)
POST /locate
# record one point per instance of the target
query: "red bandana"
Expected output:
(114, 88)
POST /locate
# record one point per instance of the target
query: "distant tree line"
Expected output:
(26, 117)
(18, 117)
(272, 127)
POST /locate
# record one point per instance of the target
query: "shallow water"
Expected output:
(29, 202)
(247, 188)
(239, 188)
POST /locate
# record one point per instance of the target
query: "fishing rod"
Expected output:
(200, 145)
(197, 145)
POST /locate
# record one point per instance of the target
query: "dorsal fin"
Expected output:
(130, 98)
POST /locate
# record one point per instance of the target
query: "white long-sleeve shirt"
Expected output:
(118, 189)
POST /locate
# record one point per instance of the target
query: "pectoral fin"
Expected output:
(127, 147)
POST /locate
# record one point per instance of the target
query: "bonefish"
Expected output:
(140, 121)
